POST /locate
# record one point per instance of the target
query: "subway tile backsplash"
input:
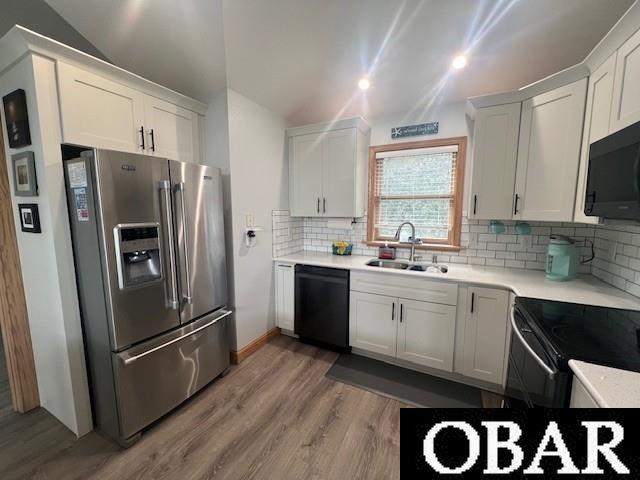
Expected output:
(617, 247)
(618, 256)
(288, 233)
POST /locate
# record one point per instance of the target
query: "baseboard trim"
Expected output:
(241, 355)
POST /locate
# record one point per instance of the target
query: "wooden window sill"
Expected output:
(441, 247)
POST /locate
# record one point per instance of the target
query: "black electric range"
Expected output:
(547, 334)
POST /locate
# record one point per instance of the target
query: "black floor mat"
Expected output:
(408, 386)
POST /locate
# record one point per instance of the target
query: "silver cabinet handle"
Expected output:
(172, 301)
(528, 348)
(185, 241)
(129, 360)
(324, 205)
(318, 204)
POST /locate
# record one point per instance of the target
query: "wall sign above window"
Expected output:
(430, 128)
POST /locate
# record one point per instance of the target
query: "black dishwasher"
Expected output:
(322, 306)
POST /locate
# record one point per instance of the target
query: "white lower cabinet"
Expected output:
(416, 331)
(372, 322)
(426, 334)
(485, 334)
(285, 296)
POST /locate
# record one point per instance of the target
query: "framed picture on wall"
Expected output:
(29, 217)
(17, 118)
(25, 182)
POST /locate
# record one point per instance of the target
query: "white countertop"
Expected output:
(585, 290)
(609, 387)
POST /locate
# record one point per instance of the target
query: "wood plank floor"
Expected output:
(275, 415)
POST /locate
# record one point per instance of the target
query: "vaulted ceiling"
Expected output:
(303, 58)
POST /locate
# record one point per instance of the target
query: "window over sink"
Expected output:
(419, 182)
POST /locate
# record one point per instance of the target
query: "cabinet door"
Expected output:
(626, 87)
(426, 333)
(596, 126)
(285, 296)
(339, 173)
(495, 150)
(305, 175)
(485, 334)
(172, 131)
(372, 323)
(98, 112)
(549, 154)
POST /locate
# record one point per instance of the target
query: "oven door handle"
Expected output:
(550, 373)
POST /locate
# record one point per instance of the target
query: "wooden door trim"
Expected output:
(14, 320)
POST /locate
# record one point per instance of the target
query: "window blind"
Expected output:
(416, 186)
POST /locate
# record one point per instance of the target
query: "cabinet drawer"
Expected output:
(413, 288)
(153, 379)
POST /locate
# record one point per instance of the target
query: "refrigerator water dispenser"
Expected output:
(138, 254)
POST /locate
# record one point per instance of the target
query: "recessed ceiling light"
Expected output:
(364, 83)
(459, 61)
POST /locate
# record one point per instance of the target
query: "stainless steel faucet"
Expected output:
(413, 241)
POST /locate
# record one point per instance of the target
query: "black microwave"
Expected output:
(613, 179)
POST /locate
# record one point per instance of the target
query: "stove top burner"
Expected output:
(605, 336)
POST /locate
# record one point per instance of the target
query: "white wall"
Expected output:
(38, 16)
(257, 184)
(46, 259)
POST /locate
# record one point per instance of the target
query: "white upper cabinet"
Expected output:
(327, 169)
(626, 87)
(338, 182)
(549, 154)
(172, 131)
(596, 126)
(97, 112)
(495, 149)
(485, 334)
(305, 172)
(426, 334)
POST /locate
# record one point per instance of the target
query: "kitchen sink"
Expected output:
(416, 267)
(388, 264)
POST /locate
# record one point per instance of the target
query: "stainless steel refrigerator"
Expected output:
(148, 242)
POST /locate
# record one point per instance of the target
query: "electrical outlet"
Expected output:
(612, 251)
(249, 220)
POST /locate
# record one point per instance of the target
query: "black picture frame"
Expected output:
(17, 119)
(25, 182)
(29, 217)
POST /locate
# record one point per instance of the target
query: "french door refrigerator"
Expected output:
(148, 242)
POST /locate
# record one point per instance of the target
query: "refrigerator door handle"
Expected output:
(172, 301)
(185, 246)
(129, 360)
